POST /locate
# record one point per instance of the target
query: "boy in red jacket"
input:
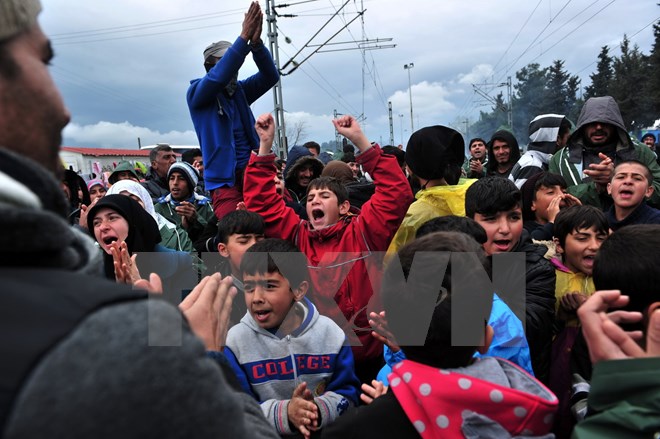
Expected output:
(344, 251)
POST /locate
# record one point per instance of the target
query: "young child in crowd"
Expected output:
(441, 390)
(237, 232)
(342, 249)
(579, 232)
(495, 204)
(508, 341)
(631, 185)
(295, 362)
(543, 195)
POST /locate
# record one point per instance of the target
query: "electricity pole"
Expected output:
(280, 126)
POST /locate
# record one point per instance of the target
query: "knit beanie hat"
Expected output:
(431, 149)
(188, 172)
(216, 50)
(17, 16)
(339, 170)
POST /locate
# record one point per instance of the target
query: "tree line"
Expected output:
(632, 79)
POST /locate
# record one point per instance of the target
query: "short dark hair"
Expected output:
(153, 154)
(348, 157)
(647, 171)
(402, 297)
(262, 258)
(453, 223)
(240, 222)
(490, 195)
(548, 180)
(313, 145)
(332, 184)
(398, 153)
(574, 218)
(476, 139)
(188, 156)
(624, 262)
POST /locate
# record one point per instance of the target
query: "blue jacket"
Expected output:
(270, 368)
(509, 341)
(213, 126)
(643, 214)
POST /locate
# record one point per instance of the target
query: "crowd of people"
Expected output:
(385, 294)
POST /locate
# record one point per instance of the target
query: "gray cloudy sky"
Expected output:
(124, 66)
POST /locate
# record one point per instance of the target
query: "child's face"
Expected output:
(109, 226)
(323, 208)
(269, 298)
(236, 246)
(179, 187)
(503, 230)
(580, 249)
(544, 195)
(629, 185)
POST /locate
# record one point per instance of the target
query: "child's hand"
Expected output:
(348, 127)
(369, 393)
(381, 331)
(302, 410)
(265, 127)
(572, 301)
(553, 207)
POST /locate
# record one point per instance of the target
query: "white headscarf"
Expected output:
(139, 191)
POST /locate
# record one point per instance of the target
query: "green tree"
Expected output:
(490, 122)
(651, 105)
(629, 83)
(601, 80)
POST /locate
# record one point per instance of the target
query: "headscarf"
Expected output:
(139, 191)
(143, 234)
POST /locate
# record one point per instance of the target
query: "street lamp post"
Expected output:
(408, 67)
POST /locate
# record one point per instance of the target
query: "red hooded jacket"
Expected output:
(345, 259)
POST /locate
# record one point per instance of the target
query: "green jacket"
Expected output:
(569, 161)
(204, 214)
(625, 399)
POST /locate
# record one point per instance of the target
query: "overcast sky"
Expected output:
(124, 66)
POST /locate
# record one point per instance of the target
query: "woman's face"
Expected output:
(133, 196)
(109, 226)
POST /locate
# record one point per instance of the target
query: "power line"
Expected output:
(518, 34)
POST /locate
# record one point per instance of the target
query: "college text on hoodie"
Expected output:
(270, 368)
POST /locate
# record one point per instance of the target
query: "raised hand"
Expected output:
(349, 127)
(265, 127)
(207, 309)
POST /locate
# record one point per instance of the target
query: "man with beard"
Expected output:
(219, 106)
(503, 153)
(83, 356)
(599, 143)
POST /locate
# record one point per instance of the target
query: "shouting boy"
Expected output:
(340, 247)
(631, 185)
(295, 362)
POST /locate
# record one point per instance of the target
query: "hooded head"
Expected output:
(143, 234)
(188, 173)
(548, 133)
(605, 110)
(298, 159)
(124, 170)
(136, 191)
(495, 151)
(436, 152)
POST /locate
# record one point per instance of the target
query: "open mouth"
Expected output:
(317, 214)
(626, 193)
(261, 316)
(109, 240)
(502, 244)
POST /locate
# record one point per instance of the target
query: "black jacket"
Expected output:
(538, 314)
